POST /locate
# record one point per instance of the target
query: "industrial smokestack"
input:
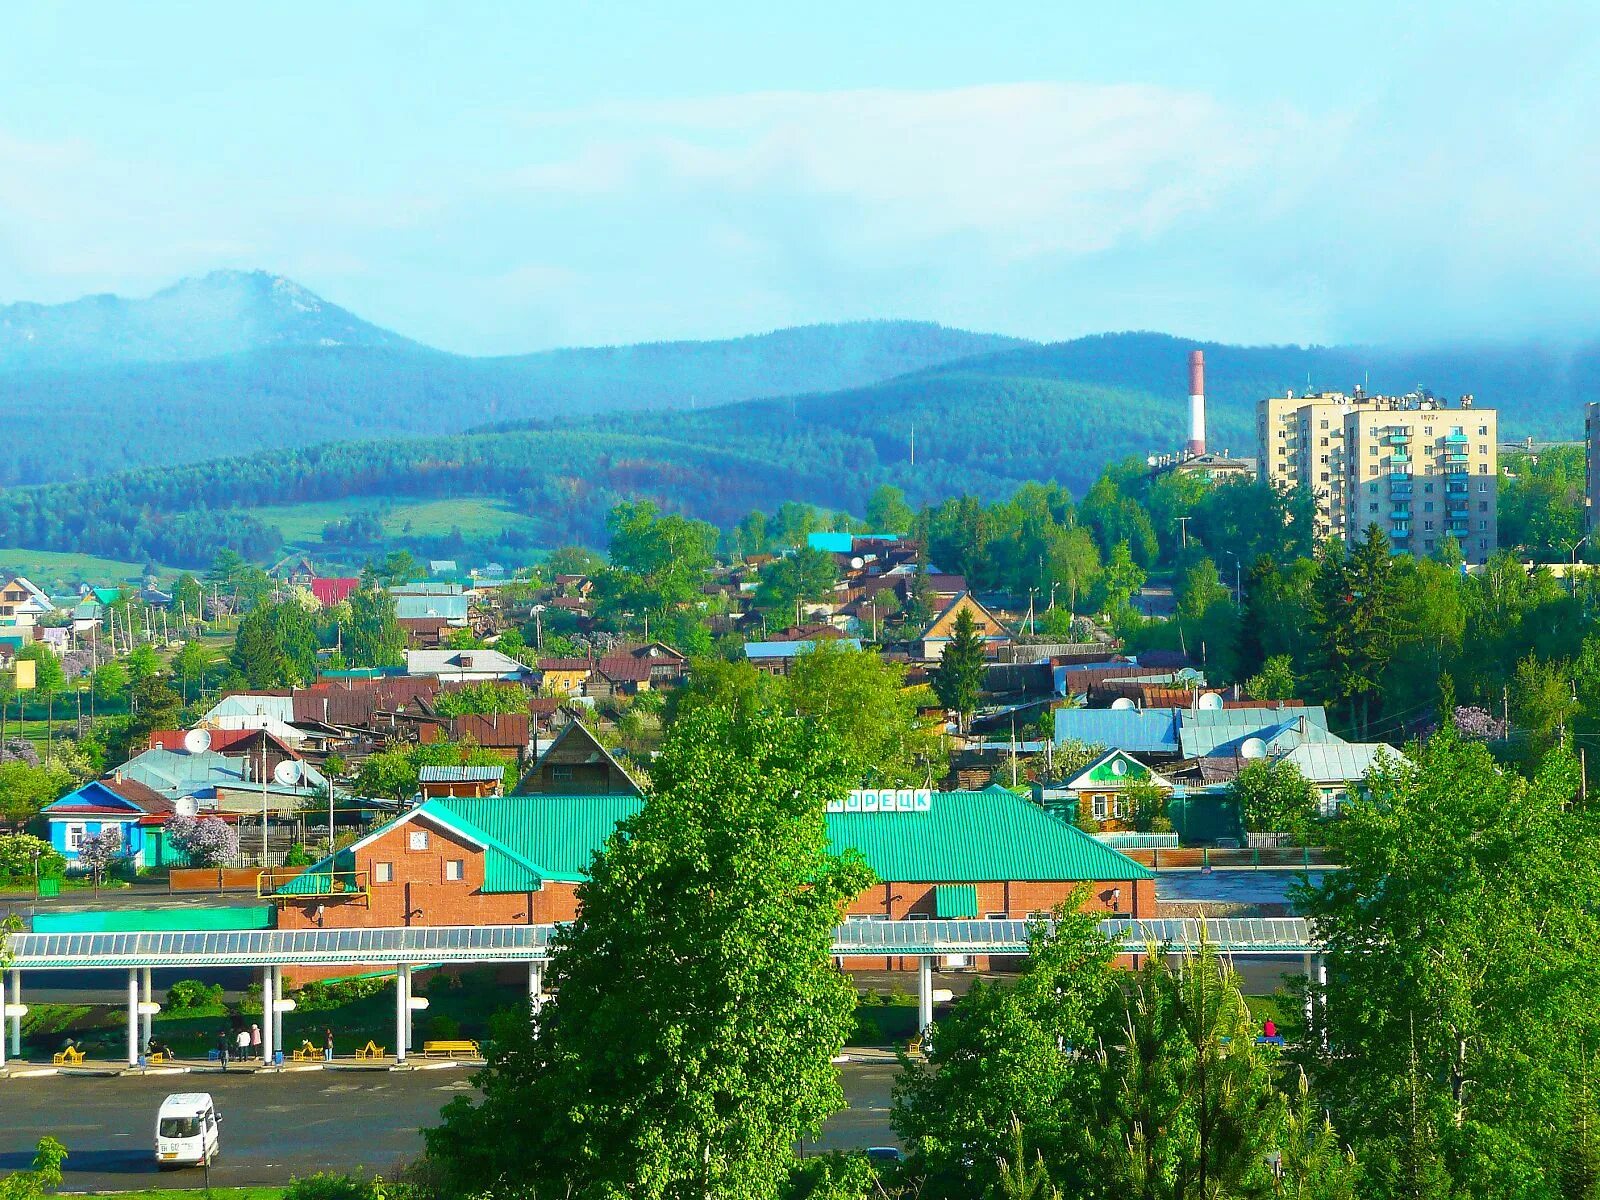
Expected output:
(1197, 402)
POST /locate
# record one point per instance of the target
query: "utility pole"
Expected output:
(1183, 530)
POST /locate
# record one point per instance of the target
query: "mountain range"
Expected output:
(168, 456)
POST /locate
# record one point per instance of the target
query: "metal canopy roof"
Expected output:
(531, 943)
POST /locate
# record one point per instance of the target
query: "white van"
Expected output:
(186, 1130)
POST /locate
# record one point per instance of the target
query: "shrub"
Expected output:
(208, 841)
(190, 994)
(19, 852)
(335, 993)
(330, 1185)
(443, 1027)
(298, 856)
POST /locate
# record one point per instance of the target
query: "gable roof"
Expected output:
(452, 774)
(1344, 762)
(984, 836)
(943, 625)
(445, 607)
(111, 797)
(1134, 770)
(772, 650)
(596, 753)
(1141, 730)
(329, 592)
(445, 663)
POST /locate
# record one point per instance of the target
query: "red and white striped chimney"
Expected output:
(1197, 402)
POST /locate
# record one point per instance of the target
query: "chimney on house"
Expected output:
(1197, 403)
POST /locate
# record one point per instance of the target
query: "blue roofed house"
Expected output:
(117, 802)
(775, 658)
(1146, 731)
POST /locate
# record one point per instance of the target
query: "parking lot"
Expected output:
(275, 1127)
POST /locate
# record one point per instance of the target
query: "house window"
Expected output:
(382, 872)
(561, 773)
(996, 917)
(1099, 808)
(418, 839)
(455, 870)
(74, 837)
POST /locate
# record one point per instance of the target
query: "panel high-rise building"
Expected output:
(1417, 468)
(1591, 465)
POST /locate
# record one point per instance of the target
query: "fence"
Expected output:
(1204, 858)
(214, 879)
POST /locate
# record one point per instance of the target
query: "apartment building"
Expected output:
(1591, 465)
(1412, 465)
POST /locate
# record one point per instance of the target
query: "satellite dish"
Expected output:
(287, 772)
(1122, 704)
(1151, 460)
(1209, 702)
(197, 741)
(1253, 748)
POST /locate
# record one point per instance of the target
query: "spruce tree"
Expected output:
(958, 680)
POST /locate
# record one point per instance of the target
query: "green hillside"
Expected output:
(98, 420)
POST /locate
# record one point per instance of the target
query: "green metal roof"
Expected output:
(962, 837)
(559, 833)
(991, 835)
(955, 901)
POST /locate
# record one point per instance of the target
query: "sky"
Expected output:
(495, 178)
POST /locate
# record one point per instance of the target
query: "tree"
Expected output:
(1451, 866)
(49, 681)
(373, 637)
(1185, 1100)
(1009, 1055)
(143, 662)
(26, 787)
(958, 680)
(786, 582)
(887, 510)
(98, 852)
(110, 680)
(1275, 680)
(190, 663)
(1353, 617)
(658, 562)
(23, 856)
(206, 841)
(485, 697)
(1120, 581)
(688, 1044)
(864, 701)
(42, 1179)
(1274, 797)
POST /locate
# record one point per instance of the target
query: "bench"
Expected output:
(306, 1053)
(914, 1048)
(447, 1048)
(156, 1059)
(70, 1057)
(370, 1050)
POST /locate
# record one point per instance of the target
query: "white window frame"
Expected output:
(455, 870)
(417, 839)
(382, 872)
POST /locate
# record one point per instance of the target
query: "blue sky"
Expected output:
(493, 178)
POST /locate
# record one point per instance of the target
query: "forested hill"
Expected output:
(981, 425)
(291, 392)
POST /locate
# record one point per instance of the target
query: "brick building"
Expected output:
(518, 860)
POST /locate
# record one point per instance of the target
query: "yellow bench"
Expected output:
(70, 1057)
(914, 1048)
(156, 1059)
(370, 1050)
(451, 1049)
(306, 1053)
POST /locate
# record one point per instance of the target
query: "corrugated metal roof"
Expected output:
(789, 649)
(448, 608)
(559, 834)
(451, 774)
(1343, 762)
(1147, 731)
(977, 836)
(953, 901)
(1223, 732)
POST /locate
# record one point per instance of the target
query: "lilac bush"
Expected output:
(208, 841)
(1478, 724)
(19, 750)
(99, 851)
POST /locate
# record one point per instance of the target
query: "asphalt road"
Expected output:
(278, 1126)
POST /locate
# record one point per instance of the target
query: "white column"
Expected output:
(402, 1010)
(277, 1015)
(269, 1009)
(147, 1024)
(409, 1013)
(133, 1016)
(16, 1022)
(1322, 988)
(924, 993)
(536, 987)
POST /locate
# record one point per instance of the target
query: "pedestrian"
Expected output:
(223, 1048)
(255, 1041)
(327, 1044)
(1269, 1028)
(242, 1040)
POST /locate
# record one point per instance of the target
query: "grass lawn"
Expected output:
(475, 516)
(54, 571)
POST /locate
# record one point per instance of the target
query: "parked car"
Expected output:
(186, 1130)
